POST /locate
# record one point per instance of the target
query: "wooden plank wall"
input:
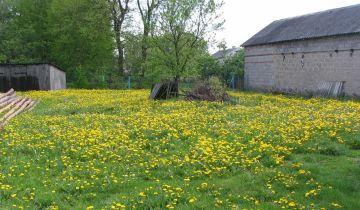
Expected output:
(25, 77)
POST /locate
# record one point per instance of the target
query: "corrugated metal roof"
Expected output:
(332, 22)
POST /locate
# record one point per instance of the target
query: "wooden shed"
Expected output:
(24, 77)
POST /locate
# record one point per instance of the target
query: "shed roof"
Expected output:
(334, 22)
(30, 64)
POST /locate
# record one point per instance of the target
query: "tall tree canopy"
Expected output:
(5, 18)
(25, 37)
(82, 40)
(147, 10)
(183, 31)
(102, 41)
(75, 35)
(119, 10)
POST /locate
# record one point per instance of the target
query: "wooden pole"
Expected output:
(13, 105)
(10, 92)
(14, 112)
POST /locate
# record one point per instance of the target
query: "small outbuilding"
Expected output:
(314, 53)
(24, 77)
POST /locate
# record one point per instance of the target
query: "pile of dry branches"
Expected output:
(209, 90)
(12, 105)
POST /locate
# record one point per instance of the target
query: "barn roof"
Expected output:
(334, 22)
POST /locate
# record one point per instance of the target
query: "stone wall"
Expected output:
(299, 66)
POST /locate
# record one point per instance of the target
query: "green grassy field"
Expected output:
(106, 149)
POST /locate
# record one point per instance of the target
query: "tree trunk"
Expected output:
(144, 55)
(120, 58)
(119, 10)
(144, 49)
(146, 16)
(119, 47)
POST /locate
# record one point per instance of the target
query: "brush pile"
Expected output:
(12, 105)
(209, 90)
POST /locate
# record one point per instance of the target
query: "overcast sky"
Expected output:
(246, 18)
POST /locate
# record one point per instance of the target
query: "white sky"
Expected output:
(244, 18)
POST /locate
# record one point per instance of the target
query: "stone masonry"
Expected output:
(299, 66)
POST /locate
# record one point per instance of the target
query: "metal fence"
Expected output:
(136, 82)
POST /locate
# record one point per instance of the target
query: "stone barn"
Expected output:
(24, 77)
(308, 54)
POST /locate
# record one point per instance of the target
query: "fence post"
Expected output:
(232, 82)
(129, 82)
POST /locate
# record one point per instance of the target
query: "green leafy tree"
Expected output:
(119, 10)
(25, 37)
(5, 19)
(226, 68)
(183, 31)
(147, 10)
(132, 46)
(208, 66)
(82, 40)
(234, 65)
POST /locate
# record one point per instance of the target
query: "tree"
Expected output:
(147, 14)
(208, 66)
(132, 46)
(5, 19)
(234, 65)
(119, 10)
(81, 39)
(222, 46)
(25, 39)
(232, 69)
(229, 67)
(184, 28)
